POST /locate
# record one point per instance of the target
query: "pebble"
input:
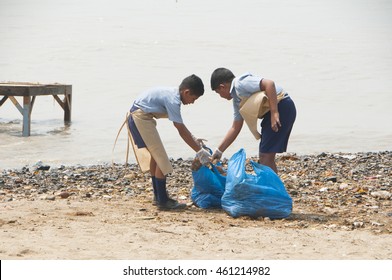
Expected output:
(332, 179)
(64, 195)
(343, 186)
(358, 224)
(381, 194)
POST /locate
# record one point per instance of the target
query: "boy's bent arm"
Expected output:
(269, 87)
(231, 135)
(187, 136)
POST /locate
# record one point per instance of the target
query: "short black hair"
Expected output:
(221, 75)
(194, 84)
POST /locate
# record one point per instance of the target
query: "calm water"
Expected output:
(334, 58)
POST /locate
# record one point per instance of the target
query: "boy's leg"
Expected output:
(162, 196)
(153, 179)
(158, 182)
(163, 200)
(268, 159)
(276, 142)
(154, 188)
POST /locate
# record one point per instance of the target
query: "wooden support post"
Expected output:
(32, 104)
(26, 116)
(67, 104)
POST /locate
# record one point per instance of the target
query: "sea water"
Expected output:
(333, 57)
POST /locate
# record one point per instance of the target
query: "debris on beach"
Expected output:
(330, 190)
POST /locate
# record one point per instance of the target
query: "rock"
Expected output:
(381, 194)
(358, 224)
(43, 167)
(332, 179)
(40, 166)
(343, 186)
(293, 192)
(64, 195)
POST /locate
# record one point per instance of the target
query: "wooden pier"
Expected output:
(28, 92)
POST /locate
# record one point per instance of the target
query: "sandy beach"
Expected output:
(341, 211)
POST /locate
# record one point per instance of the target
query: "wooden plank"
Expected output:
(13, 91)
(23, 89)
(16, 103)
(47, 90)
(4, 99)
(59, 101)
(20, 84)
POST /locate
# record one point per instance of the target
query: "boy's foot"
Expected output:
(171, 204)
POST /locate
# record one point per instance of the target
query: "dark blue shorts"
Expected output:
(137, 138)
(276, 142)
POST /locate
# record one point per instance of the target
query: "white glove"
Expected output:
(217, 154)
(199, 141)
(203, 156)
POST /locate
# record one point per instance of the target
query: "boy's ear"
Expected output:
(187, 91)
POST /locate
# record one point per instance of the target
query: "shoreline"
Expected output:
(339, 200)
(119, 160)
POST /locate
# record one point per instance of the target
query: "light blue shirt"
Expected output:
(244, 86)
(161, 100)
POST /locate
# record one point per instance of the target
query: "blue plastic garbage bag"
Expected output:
(256, 195)
(209, 186)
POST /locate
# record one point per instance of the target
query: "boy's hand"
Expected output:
(275, 122)
(217, 155)
(199, 141)
(203, 156)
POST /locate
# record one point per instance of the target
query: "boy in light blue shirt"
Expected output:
(163, 102)
(276, 125)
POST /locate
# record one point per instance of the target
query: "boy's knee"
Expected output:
(266, 157)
